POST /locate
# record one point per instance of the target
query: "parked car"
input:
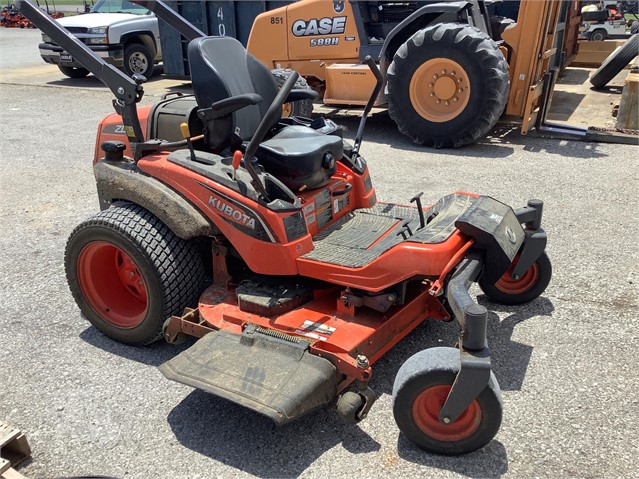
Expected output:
(121, 32)
(602, 20)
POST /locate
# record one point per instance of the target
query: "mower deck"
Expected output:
(262, 374)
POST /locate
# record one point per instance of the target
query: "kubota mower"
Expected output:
(263, 237)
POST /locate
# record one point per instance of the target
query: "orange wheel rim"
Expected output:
(508, 285)
(112, 284)
(439, 90)
(426, 415)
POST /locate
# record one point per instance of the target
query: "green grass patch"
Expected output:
(79, 3)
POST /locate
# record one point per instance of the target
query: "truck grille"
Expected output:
(77, 29)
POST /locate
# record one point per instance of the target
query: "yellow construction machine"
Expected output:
(451, 68)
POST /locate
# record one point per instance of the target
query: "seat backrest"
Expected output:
(221, 68)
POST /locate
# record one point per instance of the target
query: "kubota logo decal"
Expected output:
(232, 213)
(323, 26)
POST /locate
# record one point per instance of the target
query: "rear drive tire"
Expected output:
(128, 272)
(447, 85)
(615, 62)
(421, 387)
(138, 59)
(530, 286)
(303, 108)
(73, 72)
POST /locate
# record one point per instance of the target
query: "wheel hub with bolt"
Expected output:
(426, 413)
(439, 90)
(112, 284)
(518, 285)
(138, 63)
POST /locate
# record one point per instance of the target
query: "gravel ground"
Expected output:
(566, 362)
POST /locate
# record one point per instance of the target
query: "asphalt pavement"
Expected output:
(566, 362)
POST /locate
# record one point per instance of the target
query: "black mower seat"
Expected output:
(222, 69)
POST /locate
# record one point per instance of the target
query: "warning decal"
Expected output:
(315, 330)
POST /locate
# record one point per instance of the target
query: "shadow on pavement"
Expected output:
(509, 358)
(565, 103)
(226, 432)
(490, 461)
(152, 355)
(573, 76)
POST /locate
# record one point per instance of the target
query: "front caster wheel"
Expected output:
(519, 291)
(349, 405)
(420, 390)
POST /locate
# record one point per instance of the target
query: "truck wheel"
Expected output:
(303, 108)
(138, 59)
(598, 35)
(73, 72)
(128, 272)
(447, 85)
(523, 290)
(615, 62)
(420, 390)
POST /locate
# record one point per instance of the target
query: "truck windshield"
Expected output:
(118, 6)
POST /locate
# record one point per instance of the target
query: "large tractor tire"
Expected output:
(128, 273)
(303, 108)
(615, 62)
(447, 85)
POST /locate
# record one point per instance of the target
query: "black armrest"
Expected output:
(229, 105)
(302, 95)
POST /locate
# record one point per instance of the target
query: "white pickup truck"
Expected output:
(121, 32)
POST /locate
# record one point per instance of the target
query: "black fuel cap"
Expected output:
(113, 150)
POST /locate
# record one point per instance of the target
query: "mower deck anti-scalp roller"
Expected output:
(263, 237)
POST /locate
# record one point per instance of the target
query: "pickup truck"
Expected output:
(121, 32)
